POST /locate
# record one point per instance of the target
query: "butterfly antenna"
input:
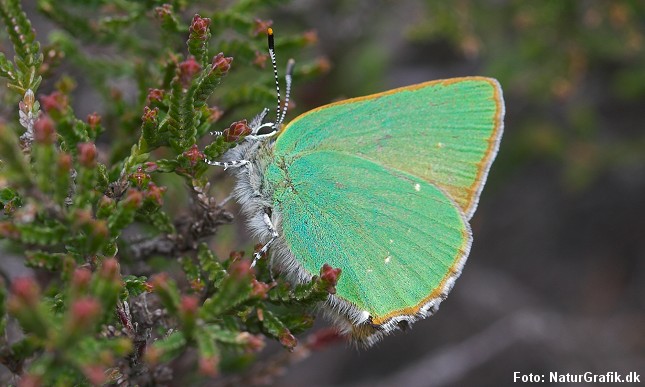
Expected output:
(275, 71)
(287, 93)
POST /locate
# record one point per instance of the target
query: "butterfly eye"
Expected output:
(265, 129)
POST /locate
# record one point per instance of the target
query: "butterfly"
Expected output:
(381, 186)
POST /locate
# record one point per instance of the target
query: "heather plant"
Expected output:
(115, 213)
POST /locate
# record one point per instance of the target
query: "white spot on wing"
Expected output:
(388, 259)
(417, 187)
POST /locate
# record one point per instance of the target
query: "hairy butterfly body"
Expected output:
(382, 187)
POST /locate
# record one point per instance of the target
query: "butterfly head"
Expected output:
(263, 130)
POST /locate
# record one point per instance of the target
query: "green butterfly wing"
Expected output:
(398, 239)
(383, 187)
(444, 132)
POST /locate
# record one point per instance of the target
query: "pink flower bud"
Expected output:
(64, 162)
(9, 230)
(82, 217)
(84, 312)
(240, 269)
(260, 26)
(215, 114)
(99, 228)
(163, 12)
(87, 154)
(155, 95)
(189, 304)
(155, 193)
(149, 115)
(150, 166)
(159, 281)
(197, 285)
(323, 65)
(152, 355)
(139, 178)
(26, 290)
(287, 340)
(95, 374)
(251, 342)
(222, 64)
(310, 37)
(44, 130)
(260, 289)
(236, 131)
(324, 338)
(30, 381)
(260, 59)
(199, 27)
(94, 120)
(110, 269)
(133, 198)
(194, 155)
(208, 365)
(106, 201)
(187, 70)
(55, 101)
(330, 276)
(81, 278)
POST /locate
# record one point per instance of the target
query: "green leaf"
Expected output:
(170, 346)
(46, 260)
(165, 165)
(14, 166)
(168, 293)
(192, 272)
(232, 19)
(6, 68)
(71, 130)
(206, 347)
(106, 286)
(122, 216)
(211, 267)
(161, 221)
(274, 327)
(43, 157)
(218, 333)
(41, 234)
(102, 179)
(234, 289)
(28, 57)
(134, 286)
(297, 321)
(25, 348)
(10, 199)
(36, 319)
(198, 44)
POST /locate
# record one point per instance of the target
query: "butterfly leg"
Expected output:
(274, 235)
(230, 164)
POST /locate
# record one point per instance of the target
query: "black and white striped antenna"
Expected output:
(280, 111)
